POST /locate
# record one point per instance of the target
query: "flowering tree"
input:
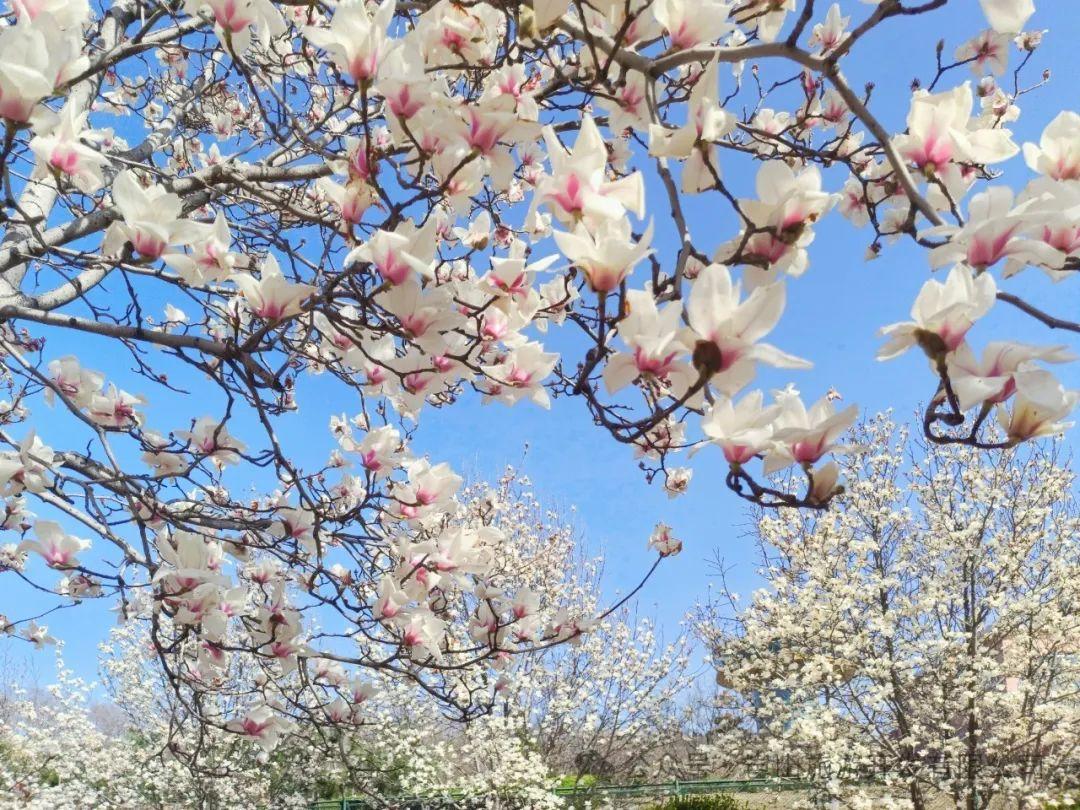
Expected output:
(55, 753)
(925, 629)
(603, 704)
(272, 204)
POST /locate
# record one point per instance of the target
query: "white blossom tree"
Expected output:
(216, 214)
(925, 630)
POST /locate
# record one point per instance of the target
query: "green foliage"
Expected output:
(714, 801)
(583, 782)
(49, 777)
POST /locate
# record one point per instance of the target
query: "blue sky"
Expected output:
(833, 314)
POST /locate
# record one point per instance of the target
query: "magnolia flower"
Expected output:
(465, 551)
(825, 486)
(628, 109)
(58, 148)
(658, 354)
(942, 314)
(987, 50)
(707, 123)
(1040, 404)
(351, 199)
(495, 122)
(357, 40)
(28, 468)
(14, 515)
(663, 541)
(37, 634)
(151, 218)
(803, 436)
(65, 13)
(608, 254)
(234, 19)
(209, 259)
(1058, 153)
(994, 231)
(1053, 210)
(831, 33)
(404, 85)
(79, 586)
(578, 188)
(36, 54)
(478, 233)
(546, 13)
(766, 16)
(271, 296)
(520, 375)
(296, 524)
(379, 451)
(157, 455)
(189, 560)
(677, 481)
(115, 408)
(939, 131)
(262, 725)
(742, 430)
(1008, 16)
(689, 24)
(57, 547)
(428, 489)
(423, 315)
(397, 254)
(525, 604)
(360, 691)
(208, 437)
(422, 634)
(390, 599)
(511, 277)
(787, 204)
(992, 379)
(567, 628)
(76, 383)
(724, 330)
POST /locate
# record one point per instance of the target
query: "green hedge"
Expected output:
(715, 801)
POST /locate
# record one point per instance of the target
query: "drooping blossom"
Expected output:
(995, 230)
(1040, 405)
